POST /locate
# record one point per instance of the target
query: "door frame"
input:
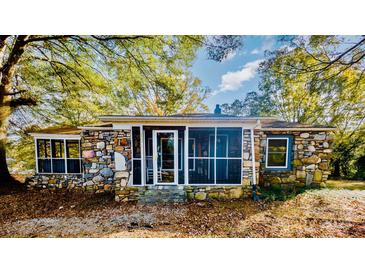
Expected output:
(176, 156)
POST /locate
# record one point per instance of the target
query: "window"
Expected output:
(58, 156)
(278, 153)
(44, 156)
(215, 155)
(136, 155)
(73, 156)
(228, 156)
(201, 155)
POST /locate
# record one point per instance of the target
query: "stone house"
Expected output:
(179, 157)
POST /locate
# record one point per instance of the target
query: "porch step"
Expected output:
(167, 194)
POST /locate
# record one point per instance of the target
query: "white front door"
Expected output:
(165, 157)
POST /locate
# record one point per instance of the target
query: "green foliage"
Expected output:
(74, 79)
(280, 194)
(316, 80)
(21, 154)
(325, 95)
(254, 104)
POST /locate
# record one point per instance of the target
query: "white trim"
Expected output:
(181, 159)
(122, 126)
(80, 153)
(287, 151)
(132, 158)
(141, 158)
(55, 136)
(51, 151)
(51, 156)
(36, 154)
(215, 155)
(64, 151)
(186, 154)
(253, 157)
(95, 128)
(242, 136)
(143, 175)
(176, 156)
(155, 157)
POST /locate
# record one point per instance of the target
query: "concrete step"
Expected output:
(170, 194)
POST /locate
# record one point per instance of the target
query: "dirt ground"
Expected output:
(315, 213)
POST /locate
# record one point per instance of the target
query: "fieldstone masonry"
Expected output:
(107, 157)
(98, 152)
(153, 194)
(310, 160)
(99, 149)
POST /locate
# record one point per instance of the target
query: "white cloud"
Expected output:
(230, 56)
(267, 44)
(233, 80)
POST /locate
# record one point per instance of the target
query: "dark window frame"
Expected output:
(219, 131)
(288, 154)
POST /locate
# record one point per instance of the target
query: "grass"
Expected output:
(346, 184)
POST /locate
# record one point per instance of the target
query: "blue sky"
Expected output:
(235, 76)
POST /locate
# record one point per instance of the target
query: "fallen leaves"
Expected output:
(319, 213)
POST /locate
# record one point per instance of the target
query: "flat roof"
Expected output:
(182, 117)
(292, 125)
(64, 130)
(263, 123)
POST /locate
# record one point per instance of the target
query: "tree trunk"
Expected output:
(336, 171)
(5, 176)
(6, 104)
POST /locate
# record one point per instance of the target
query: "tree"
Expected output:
(254, 104)
(320, 81)
(316, 80)
(40, 75)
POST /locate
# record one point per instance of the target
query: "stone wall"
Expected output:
(310, 160)
(55, 181)
(151, 194)
(107, 156)
(99, 150)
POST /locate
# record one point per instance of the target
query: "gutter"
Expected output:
(95, 128)
(253, 160)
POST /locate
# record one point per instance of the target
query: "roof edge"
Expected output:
(299, 129)
(117, 118)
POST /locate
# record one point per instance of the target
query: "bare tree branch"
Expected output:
(46, 38)
(117, 37)
(21, 102)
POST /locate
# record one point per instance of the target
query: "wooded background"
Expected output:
(70, 80)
